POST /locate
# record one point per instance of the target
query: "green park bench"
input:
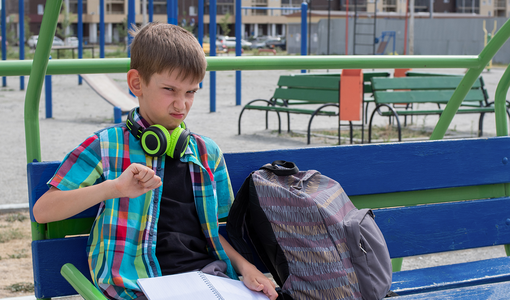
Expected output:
(425, 90)
(308, 94)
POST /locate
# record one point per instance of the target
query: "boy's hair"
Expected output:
(160, 47)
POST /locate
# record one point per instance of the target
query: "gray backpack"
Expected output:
(309, 235)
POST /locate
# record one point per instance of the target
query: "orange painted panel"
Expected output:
(400, 72)
(351, 95)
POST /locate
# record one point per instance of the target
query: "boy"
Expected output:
(159, 204)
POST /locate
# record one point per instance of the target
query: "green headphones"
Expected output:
(157, 141)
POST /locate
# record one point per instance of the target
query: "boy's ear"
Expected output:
(134, 82)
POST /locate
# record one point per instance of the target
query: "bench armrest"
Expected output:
(80, 283)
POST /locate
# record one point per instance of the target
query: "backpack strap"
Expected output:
(281, 168)
(236, 220)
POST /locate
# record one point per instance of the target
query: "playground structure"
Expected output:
(41, 66)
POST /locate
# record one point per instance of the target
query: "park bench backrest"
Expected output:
(426, 89)
(401, 176)
(317, 88)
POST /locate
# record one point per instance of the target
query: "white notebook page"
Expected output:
(191, 285)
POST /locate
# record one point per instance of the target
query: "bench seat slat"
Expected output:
(458, 281)
(438, 111)
(291, 110)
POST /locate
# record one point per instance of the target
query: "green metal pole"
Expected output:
(37, 73)
(33, 93)
(500, 103)
(121, 65)
(467, 82)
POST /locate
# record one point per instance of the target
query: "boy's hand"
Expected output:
(256, 281)
(136, 180)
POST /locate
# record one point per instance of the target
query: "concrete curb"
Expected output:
(8, 208)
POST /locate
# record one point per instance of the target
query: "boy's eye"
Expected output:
(192, 92)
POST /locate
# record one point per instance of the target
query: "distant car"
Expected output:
(58, 41)
(231, 43)
(32, 41)
(259, 42)
(71, 41)
(6, 42)
(277, 43)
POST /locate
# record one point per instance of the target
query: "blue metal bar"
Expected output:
(80, 35)
(201, 30)
(176, 12)
(4, 40)
(21, 22)
(239, 36)
(304, 34)
(170, 12)
(48, 94)
(271, 8)
(131, 21)
(151, 11)
(101, 29)
(212, 52)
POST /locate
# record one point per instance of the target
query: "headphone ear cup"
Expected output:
(154, 140)
(178, 142)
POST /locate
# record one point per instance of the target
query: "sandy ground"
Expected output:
(78, 111)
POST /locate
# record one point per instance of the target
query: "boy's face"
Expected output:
(166, 99)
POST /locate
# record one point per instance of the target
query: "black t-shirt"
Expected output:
(181, 244)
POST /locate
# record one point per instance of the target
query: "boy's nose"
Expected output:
(179, 103)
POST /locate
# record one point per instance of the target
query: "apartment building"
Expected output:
(255, 21)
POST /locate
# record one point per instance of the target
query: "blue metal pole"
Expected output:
(101, 29)
(80, 35)
(304, 33)
(170, 11)
(212, 38)
(130, 22)
(21, 13)
(47, 89)
(176, 12)
(4, 40)
(201, 29)
(239, 36)
(151, 10)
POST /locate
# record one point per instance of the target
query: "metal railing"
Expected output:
(40, 66)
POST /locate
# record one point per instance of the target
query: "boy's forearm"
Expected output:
(56, 205)
(240, 264)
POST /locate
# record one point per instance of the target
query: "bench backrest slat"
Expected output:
(425, 96)
(309, 82)
(308, 95)
(394, 167)
(419, 83)
(443, 227)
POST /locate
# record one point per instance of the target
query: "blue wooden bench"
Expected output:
(428, 197)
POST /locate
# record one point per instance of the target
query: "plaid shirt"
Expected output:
(122, 243)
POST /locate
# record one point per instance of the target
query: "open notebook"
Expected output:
(196, 285)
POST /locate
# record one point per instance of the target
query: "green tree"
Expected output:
(122, 29)
(224, 24)
(66, 21)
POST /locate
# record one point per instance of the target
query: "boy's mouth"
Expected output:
(177, 116)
